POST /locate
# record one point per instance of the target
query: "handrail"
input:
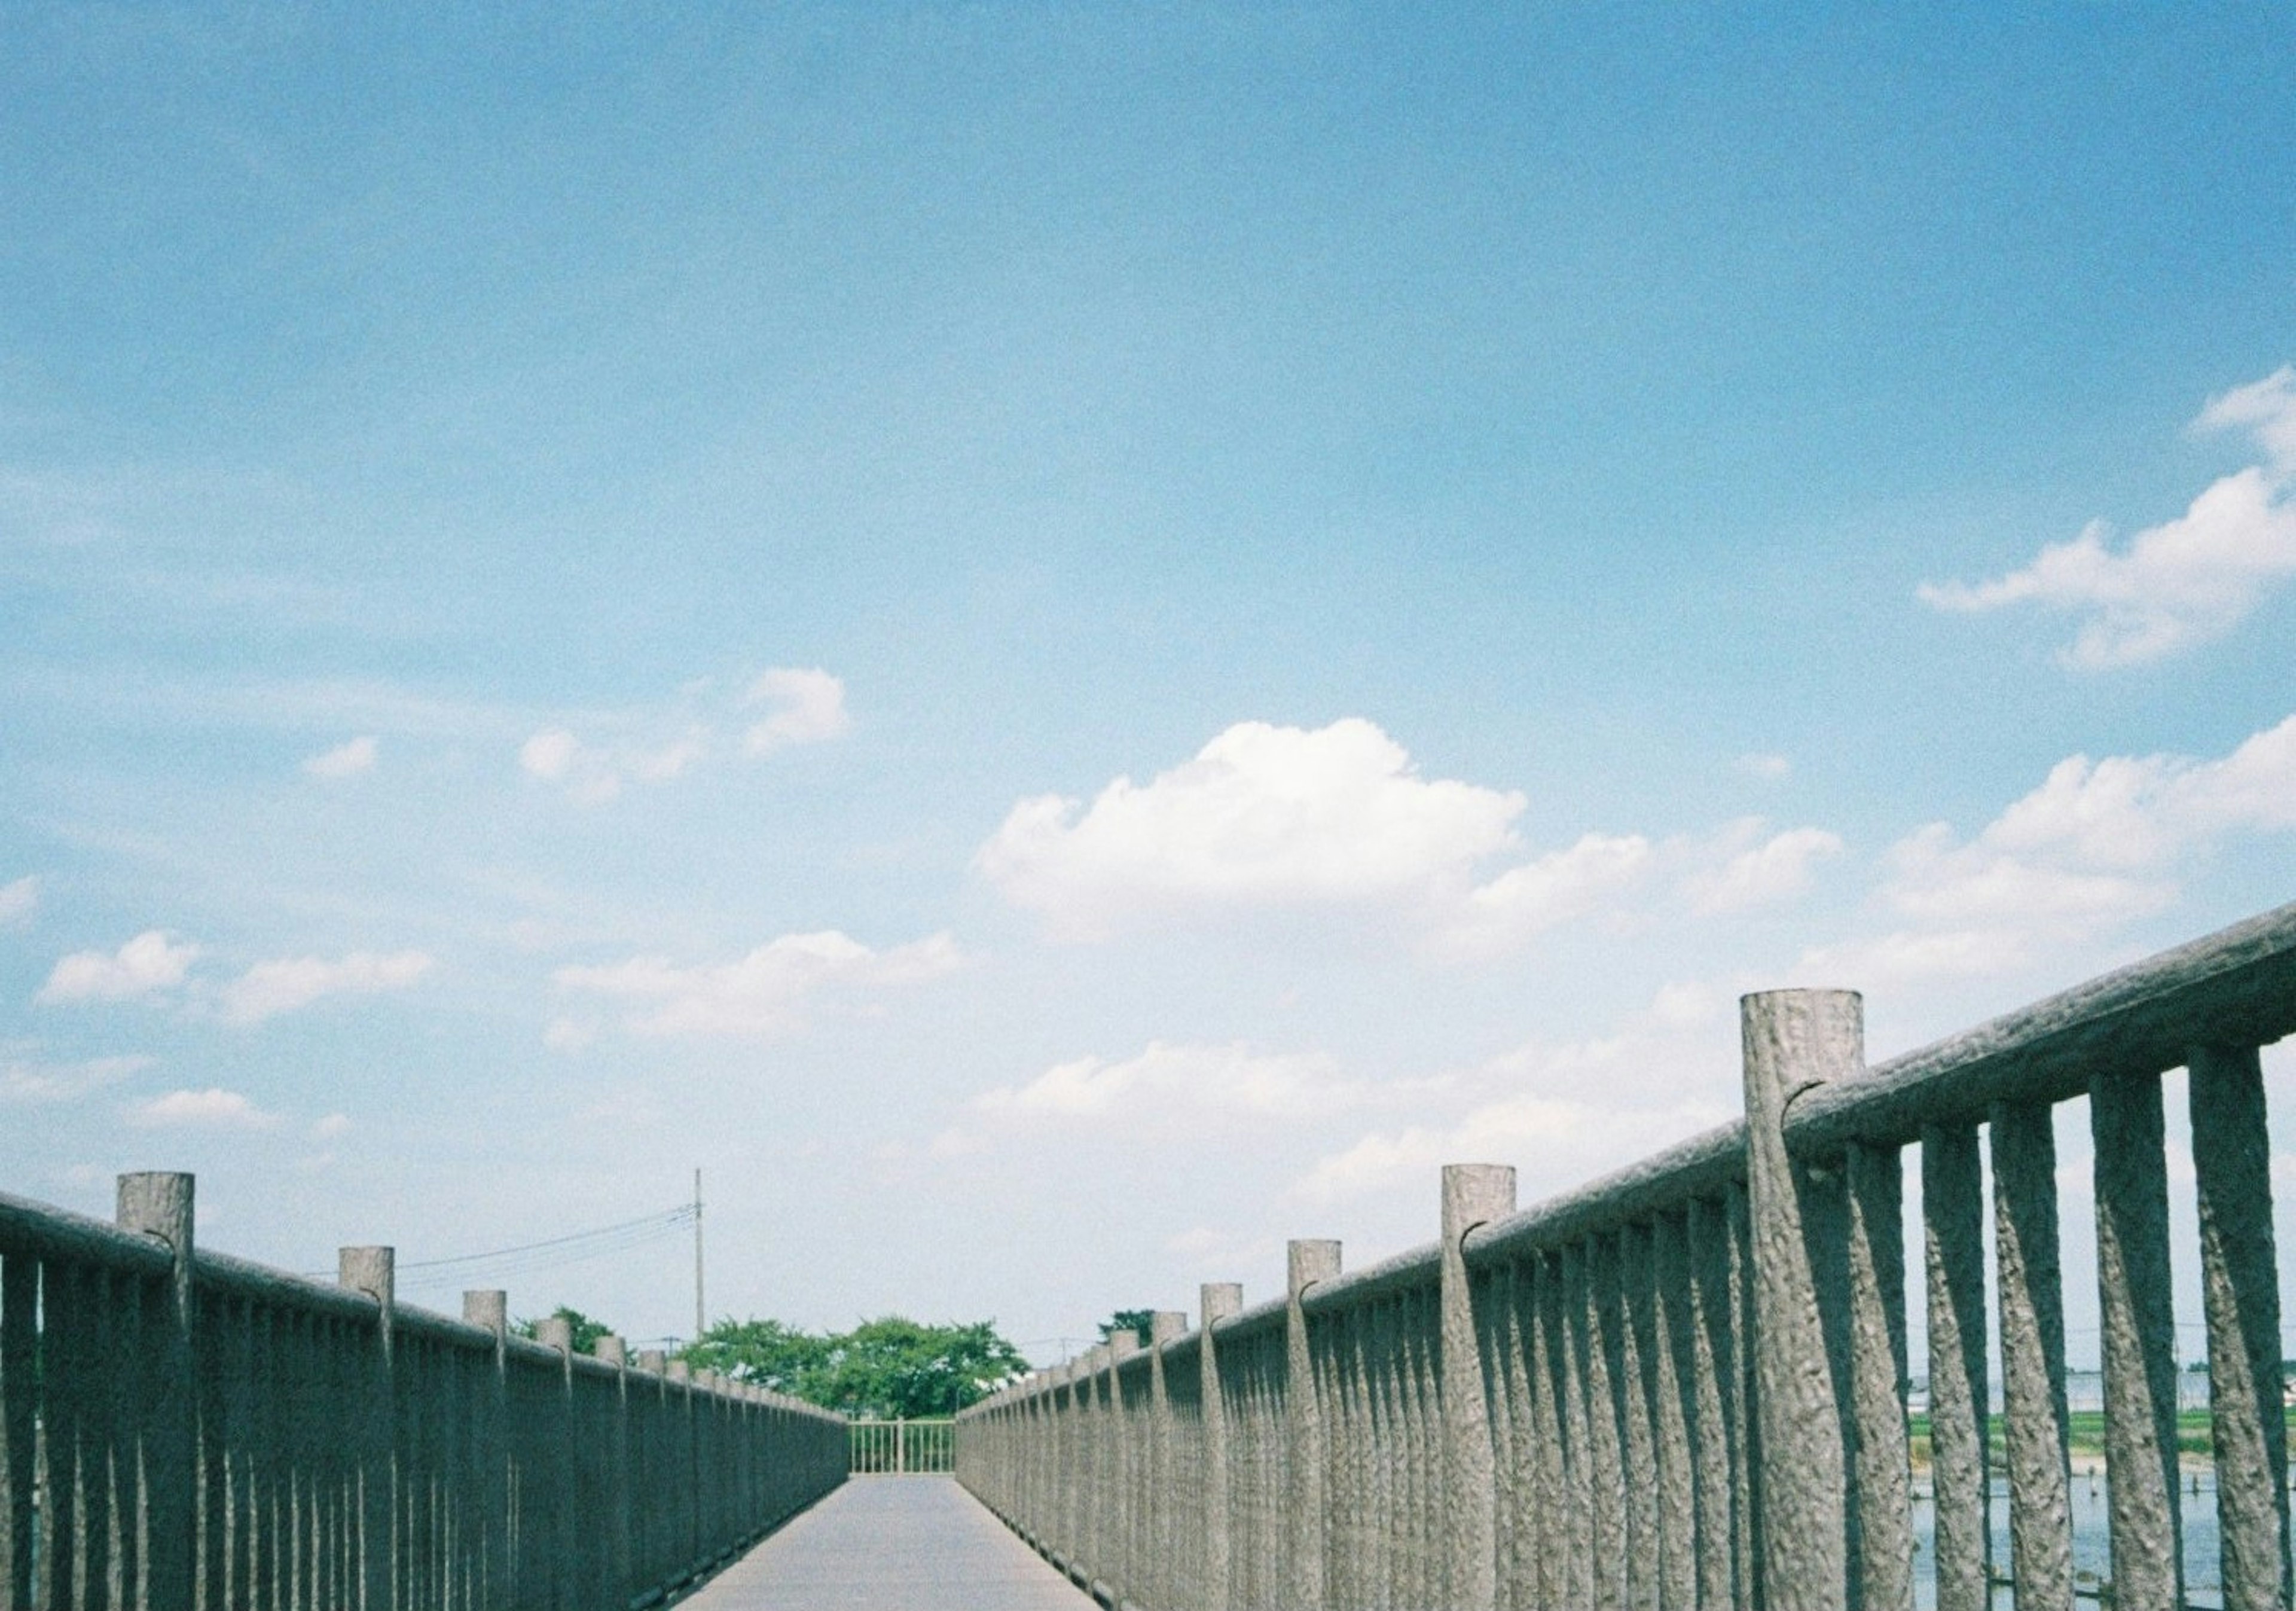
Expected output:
(2236, 987)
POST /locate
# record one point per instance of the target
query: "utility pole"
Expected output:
(700, 1325)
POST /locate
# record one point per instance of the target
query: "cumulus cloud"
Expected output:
(765, 993)
(1263, 815)
(1274, 816)
(146, 965)
(805, 706)
(19, 900)
(27, 1081)
(213, 1108)
(2186, 582)
(347, 759)
(269, 988)
(2097, 845)
(1778, 869)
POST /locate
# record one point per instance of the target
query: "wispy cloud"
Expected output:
(19, 900)
(1168, 1090)
(149, 965)
(269, 988)
(2186, 582)
(347, 759)
(213, 1108)
(767, 993)
(805, 706)
(1779, 868)
(27, 1081)
(595, 756)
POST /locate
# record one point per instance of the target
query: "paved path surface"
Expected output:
(892, 1544)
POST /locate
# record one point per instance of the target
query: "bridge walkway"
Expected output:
(892, 1544)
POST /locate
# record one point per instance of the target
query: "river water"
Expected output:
(2092, 1553)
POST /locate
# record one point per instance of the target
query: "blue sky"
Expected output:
(1063, 644)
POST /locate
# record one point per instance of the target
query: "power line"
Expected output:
(495, 1266)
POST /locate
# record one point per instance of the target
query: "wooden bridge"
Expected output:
(1683, 1386)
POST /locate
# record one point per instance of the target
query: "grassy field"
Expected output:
(2085, 1435)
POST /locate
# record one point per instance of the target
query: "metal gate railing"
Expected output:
(903, 1448)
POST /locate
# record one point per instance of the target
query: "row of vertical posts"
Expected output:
(1686, 1387)
(179, 1430)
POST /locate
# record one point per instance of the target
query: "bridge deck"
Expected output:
(891, 1543)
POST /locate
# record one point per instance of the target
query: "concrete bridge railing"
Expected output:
(1685, 1385)
(179, 1430)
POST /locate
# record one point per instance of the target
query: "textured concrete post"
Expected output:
(1953, 1223)
(2135, 1304)
(2036, 1428)
(160, 1205)
(1878, 1377)
(488, 1310)
(2240, 1295)
(1795, 1040)
(1163, 1541)
(622, 1584)
(1217, 1300)
(373, 1270)
(1473, 1194)
(559, 1523)
(1118, 1566)
(1305, 1264)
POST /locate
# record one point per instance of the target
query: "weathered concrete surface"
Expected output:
(895, 1543)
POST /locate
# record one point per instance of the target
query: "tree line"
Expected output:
(889, 1369)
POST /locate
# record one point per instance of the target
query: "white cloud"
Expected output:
(550, 754)
(1274, 817)
(763, 993)
(214, 1108)
(2183, 582)
(1778, 869)
(1167, 1090)
(145, 965)
(1563, 1114)
(662, 743)
(27, 1083)
(1553, 890)
(19, 900)
(2097, 845)
(809, 707)
(269, 988)
(1264, 815)
(345, 759)
(1766, 766)
(331, 1126)
(570, 1035)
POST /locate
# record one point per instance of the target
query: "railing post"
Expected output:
(488, 1310)
(2240, 1291)
(1160, 1492)
(160, 1205)
(1306, 1262)
(1473, 1194)
(1217, 1300)
(1794, 1041)
(557, 1332)
(373, 1270)
(622, 1584)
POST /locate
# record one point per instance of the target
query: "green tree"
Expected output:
(766, 1352)
(1140, 1322)
(587, 1331)
(895, 1369)
(887, 1368)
